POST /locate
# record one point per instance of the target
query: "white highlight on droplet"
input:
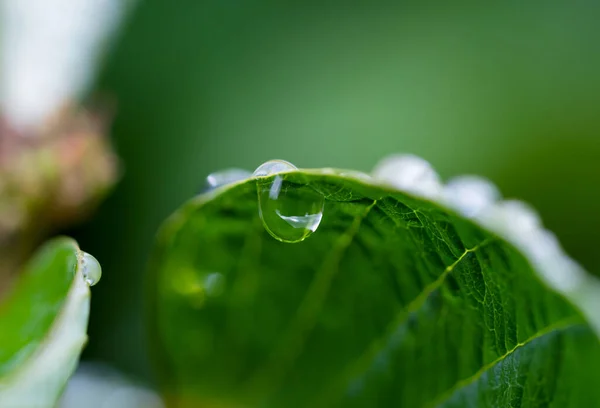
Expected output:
(410, 173)
(470, 195)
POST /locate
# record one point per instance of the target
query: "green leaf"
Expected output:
(395, 300)
(43, 324)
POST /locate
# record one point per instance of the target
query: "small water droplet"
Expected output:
(91, 270)
(511, 218)
(410, 173)
(290, 212)
(224, 177)
(470, 194)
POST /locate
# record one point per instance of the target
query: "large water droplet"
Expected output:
(521, 216)
(511, 219)
(544, 250)
(223, 177)
(290, 212)
(410, 173)
(273, 167)
(91, 270)
(470, 194)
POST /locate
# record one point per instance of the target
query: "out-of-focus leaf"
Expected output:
(43, 323)
(394, 300)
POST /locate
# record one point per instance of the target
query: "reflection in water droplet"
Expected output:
(410, 173)
(470, 194)
(308, 221)
(290, 212)
(91, 269)
(223, 177)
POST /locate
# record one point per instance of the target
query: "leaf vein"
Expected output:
(361, 364)
(560, 325)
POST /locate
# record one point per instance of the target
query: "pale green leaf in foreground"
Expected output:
(408, 293)
(43, 324)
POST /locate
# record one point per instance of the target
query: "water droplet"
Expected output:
(91, 269)
(223, 177)
(522, 217)
(544, 250)
(290, 212)
(410, 173)
(273, 167)
(511, 218)
(470, 194)
(520, 224)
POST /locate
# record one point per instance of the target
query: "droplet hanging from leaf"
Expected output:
(290, 212)
(92, 272)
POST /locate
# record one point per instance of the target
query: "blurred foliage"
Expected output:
(507, 91)
(53, 176)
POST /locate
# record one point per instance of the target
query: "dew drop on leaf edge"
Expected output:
(273, 167)
(409, 172)
(91, 270)
(290, 212)
(470, 195)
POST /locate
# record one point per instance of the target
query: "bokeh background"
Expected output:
(509, 91)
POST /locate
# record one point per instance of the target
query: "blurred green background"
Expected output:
(507, 91)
